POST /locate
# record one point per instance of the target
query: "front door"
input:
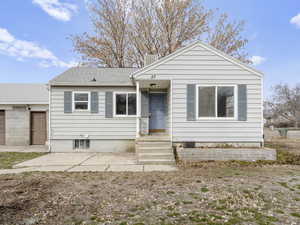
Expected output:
(157, 110)
(38, 128)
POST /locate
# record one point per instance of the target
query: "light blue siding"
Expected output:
(95, 125)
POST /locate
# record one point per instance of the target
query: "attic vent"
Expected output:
(94, 79)
(149, 59)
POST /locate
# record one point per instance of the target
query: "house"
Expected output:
(23, 114)
(196, 96)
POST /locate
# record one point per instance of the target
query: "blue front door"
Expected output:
(157, 112)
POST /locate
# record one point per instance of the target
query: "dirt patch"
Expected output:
(18, 196)
(206, 195)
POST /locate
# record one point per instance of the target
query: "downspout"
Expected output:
(171, 108)
(262, 112)
(131, 77)
(49, 118)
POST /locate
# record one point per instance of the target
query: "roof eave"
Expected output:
(24, 103)
(89, 85)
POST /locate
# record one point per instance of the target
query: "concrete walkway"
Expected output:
(86, 162)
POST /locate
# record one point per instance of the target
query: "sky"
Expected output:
(35, 44)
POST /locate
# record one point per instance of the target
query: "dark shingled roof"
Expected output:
(90, 76)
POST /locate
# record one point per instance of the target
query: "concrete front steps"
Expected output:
(155, 150)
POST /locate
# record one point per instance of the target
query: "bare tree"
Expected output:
(161, 27)
(110, 19)
(285, 103)
(126, 30)
(226, 36)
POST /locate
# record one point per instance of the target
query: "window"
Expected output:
(125, 104)
(81, 101)
(206, 104)
(225, 102)
(216, 101)
(81, 144)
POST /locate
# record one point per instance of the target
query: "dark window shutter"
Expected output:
(242, 102)
(68, 102)
(191, 102)
(145, 104)
(94, 102)
(108, 104)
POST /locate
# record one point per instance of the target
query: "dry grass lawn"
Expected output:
(209, 193)
(8, 159)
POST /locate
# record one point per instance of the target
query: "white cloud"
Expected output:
(257, 60)
(21, 49)
(5, 36)
(296, 20)
(58, 63)
(58, 10)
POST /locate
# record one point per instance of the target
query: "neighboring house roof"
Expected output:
(23, 94)
(190, 46)
(89, 76)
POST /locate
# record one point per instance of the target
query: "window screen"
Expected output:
(216, 101)
(121, 104)
(81, 101)
(131, 104)
(125, 104)
(206, 104)
(225, 101)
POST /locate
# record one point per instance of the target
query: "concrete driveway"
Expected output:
(94, 162)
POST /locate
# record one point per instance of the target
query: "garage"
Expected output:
(17, 102)
(38, 128)
(2, 127)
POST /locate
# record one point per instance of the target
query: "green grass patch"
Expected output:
(295, 214)
(187, 202)
(283, 155)
(204, 189)
(285, 185)
(8, 159)
(279, 211)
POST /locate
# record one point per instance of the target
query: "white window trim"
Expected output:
(216, 102)
(73, 101)
(115, 106)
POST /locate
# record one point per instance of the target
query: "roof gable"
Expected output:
(187, 48)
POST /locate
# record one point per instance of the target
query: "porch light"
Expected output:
(154, 85)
